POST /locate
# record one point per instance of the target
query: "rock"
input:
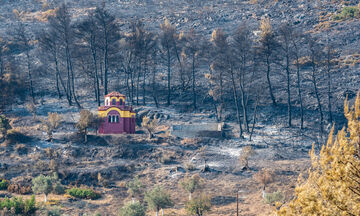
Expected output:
(206, 168)
(3, 166)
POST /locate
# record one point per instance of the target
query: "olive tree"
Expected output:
(42, 184)
(191, 184)
(199, 205)
(132, 209)
(157, 199)
(85, 122)
(135, 187)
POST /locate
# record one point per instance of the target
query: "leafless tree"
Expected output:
(286, 33)
(167, 37)
(49, 45)
(88, 36)
(242, 44)
(330, 54)
(109, 30)
(297, 40)
(193, 49)
(218, 67)
(22, 37)
(315, 53)
(268, 45)
(60, 24)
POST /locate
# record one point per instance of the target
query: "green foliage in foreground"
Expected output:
(20, 206)
(135, 187)
(158, 199)
(272, 198)
(199, 205)
(348, 13)
(4, 184)
(83, 193)
(132, 209)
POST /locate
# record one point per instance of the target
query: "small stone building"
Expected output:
(117, 117)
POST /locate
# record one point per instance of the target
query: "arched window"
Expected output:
(113, 102)
(113, 118)
(121, 102)
(109, 119)
(117, 119)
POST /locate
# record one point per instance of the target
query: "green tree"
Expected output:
(43, 184)
(199, 205)
(86, 121)
(50, 124)
(158, 199)
(135, 187)
(191, 184)
(333, 183)
(4, 126)
(132, 209)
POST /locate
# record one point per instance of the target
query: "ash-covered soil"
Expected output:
(164, 160)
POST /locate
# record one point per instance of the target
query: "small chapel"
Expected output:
(117, 117)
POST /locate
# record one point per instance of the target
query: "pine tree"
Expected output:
(333, 185)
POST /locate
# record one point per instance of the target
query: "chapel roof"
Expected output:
(114, 94)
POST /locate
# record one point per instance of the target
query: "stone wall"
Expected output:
(197, 130)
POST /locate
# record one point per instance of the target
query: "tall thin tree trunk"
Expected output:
(68, 81)
(269, 82)
(288, 88)
(236, 102)
(154, 88)
(73, 82)
(193, 81)
(298, 81)
(101, 73)
(243, 95)
(30, 76)
(317, 97)
(254, 116)
(128, 85)
(329, 85)
(169, 77)
(138, 83)
(68, 97)
(106, 65)
(97, 86)
(144, 81)
(132, 87)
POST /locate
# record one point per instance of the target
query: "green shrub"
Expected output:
(158, 198)
(83, 193)
(54, 211)
(199, 205)
(272, 198)
(4, 184)
(135, 187)
(132, 209)
(348, 13)
(19, 206)
(58, 188)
